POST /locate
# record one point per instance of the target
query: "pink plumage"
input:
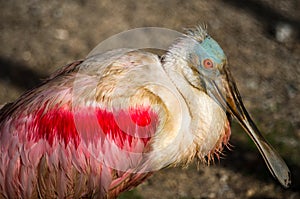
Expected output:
(46, 154)
(100, 126)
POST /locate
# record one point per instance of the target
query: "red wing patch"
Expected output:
(141, 117)
(123, 127)
(55, 124)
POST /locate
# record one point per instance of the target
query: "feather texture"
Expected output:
(51, 149)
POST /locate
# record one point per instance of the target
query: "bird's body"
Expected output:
(102, 125)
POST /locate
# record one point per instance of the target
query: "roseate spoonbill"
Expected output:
(102, 125)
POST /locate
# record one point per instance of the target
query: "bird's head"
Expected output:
(206, 69)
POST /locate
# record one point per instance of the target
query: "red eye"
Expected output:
(207, 63)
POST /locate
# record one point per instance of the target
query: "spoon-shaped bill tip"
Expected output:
(226, 94)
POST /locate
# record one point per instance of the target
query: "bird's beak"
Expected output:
(224, 91)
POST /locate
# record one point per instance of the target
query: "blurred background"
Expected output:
(260, 37)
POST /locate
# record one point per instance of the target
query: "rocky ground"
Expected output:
(261, 39)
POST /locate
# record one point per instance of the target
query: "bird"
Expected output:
(102, 125)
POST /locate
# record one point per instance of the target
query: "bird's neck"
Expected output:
(176, 66)
(208, 127)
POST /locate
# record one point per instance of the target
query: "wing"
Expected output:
(85, 131)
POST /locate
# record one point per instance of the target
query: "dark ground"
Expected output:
(39, 36)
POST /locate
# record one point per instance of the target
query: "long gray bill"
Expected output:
(233, 103)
